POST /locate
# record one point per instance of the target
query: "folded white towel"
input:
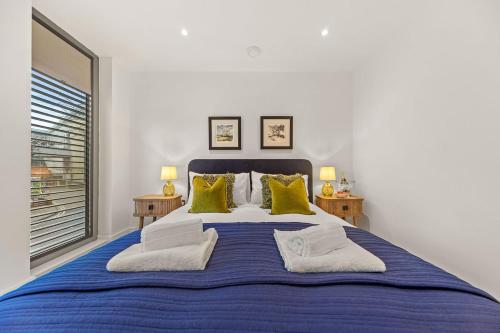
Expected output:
(164, 235)
(351, 258)
(182, 258)
(318, 240)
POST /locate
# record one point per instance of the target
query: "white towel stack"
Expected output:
(317, 240)
(180, 258)
(165, 235)
(168, 246)
(342, 255)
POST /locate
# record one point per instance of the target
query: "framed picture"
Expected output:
(276, 132)
(224, 133)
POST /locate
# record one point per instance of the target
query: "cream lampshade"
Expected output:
(327, 173)
(168, 173)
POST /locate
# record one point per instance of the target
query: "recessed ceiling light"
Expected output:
(254, 51)
(184, 32)
(324, 32)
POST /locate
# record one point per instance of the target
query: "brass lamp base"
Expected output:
(327, 189)
(168, 189)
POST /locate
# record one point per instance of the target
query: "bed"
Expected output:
(245, 287)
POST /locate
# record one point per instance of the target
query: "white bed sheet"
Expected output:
(253, 213)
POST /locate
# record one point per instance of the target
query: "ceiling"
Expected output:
(146, 35)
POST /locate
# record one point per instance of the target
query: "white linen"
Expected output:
(256, 195)
(181, 232)
(241, 187)
(253, 213)
(317, 240)
(182, 258)
(352, 258)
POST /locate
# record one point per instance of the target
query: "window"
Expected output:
(59, 164)
(63, 129)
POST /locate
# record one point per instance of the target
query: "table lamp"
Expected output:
(327, 174)
(168, 173)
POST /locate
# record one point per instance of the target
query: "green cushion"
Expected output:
(266, 191)
(229, 177)
(209, 198)
(289, 199)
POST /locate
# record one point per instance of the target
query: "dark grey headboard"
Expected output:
(283, 166)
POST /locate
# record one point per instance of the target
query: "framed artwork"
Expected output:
(224, 133)
(276, 132)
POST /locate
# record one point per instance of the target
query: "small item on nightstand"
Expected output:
(344, 187)
(168, 173)
(340, 194)
(327, 174)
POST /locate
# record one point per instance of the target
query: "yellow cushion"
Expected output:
(266, 191)
(289, 199)
(209, 198)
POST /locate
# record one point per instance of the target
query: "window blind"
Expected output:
(60, 127)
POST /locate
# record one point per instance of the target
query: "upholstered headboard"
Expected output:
(283, 166)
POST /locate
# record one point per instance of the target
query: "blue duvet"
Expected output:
(245, 288)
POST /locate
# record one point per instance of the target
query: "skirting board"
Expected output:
(67, 257)
(17, 285)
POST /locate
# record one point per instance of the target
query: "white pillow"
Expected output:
(306, 179)
(256, 196)
(241, 187)
(191, 176)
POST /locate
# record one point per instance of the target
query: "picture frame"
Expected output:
(276, 132)
(224, 133)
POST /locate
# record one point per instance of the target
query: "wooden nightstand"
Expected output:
(341, 207)
(155, 205)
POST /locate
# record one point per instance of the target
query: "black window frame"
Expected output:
(92, 157)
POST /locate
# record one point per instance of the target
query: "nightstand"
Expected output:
(342, 207)
(155, 205)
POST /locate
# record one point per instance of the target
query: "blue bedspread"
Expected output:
(246, 288)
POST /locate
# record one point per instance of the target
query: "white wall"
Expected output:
(171, 110)
(15, 65)
(115, 198)
(122, 140)
(427, 138)
(105, 208)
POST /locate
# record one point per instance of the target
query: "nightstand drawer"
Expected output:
(150, 208)
(343, 208)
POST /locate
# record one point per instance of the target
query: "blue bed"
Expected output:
(246, 288)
